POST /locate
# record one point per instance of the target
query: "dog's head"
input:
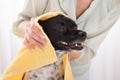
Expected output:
(63, 33)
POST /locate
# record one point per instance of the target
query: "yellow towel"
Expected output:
(32, 59)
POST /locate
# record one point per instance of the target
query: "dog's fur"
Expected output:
(64, 36)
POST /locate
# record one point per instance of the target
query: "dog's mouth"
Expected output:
(77, 45)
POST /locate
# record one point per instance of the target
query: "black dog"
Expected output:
(64, 36)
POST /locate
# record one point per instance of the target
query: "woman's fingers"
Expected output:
(38, 33)
(74, 54)
(39, 44)
(34, 29)
(34, 36)
(36, 39)
(26, 42)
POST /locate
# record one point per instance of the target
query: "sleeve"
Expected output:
(94, 40)
(31, 8)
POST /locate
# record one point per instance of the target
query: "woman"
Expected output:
(95, 17)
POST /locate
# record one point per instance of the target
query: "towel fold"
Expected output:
(27, 60)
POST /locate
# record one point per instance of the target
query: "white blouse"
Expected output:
(96, 21)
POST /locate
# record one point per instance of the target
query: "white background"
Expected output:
(105, 66)
(9, 44)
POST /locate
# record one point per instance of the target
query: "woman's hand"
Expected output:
(31, 34)
(74, 54)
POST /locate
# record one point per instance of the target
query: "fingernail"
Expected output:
(44, 41)
(40, 46)
(42, 36)
(31, 48)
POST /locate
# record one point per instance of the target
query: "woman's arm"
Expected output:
(31, 9)
(24, 26)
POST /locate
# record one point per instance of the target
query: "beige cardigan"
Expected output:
(96, 21)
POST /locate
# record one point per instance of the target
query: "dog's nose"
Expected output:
(82, 34)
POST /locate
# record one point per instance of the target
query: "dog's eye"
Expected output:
(63, 29)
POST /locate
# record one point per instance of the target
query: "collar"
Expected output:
(71, 10)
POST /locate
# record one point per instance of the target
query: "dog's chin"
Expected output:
(71, 46)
